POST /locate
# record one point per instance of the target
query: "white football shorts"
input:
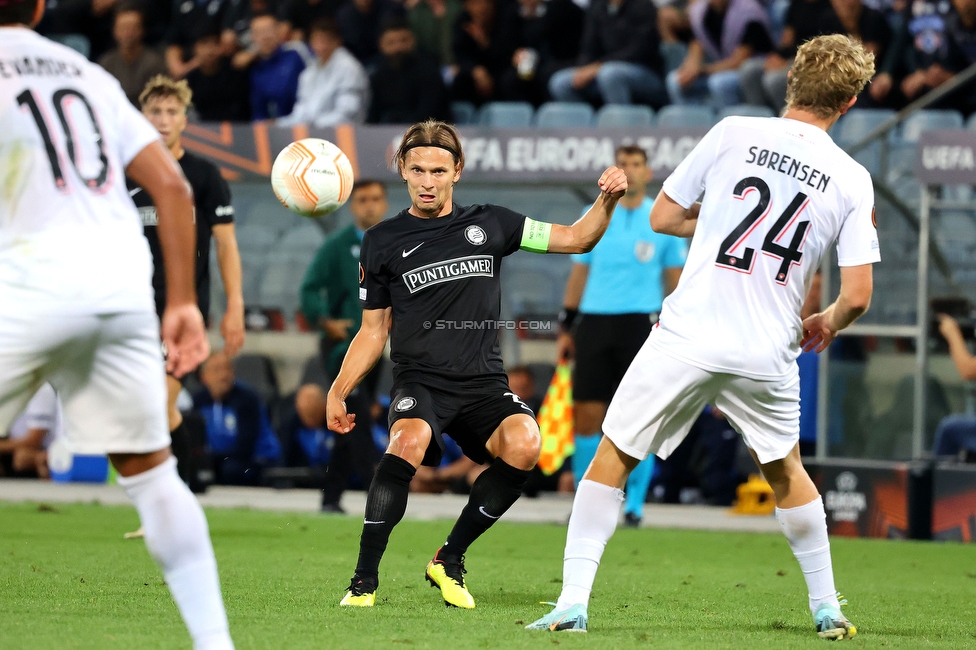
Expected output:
(661, 396)
(107, 369)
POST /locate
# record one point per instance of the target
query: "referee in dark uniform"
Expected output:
(430, 276)
(164, 103)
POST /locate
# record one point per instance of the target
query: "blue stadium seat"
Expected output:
(673, 55)
(929, 120)
(256, 237)
(305, 238)
(506, 114)
(463, 112)
(77, 42)
(564, 115)
(624, 115)
(685, 117)
(746, 110)
(858, 122)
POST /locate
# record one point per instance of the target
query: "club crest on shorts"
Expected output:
(475, 235)
(404, 404)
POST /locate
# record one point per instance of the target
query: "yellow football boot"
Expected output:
(361, 593)
(449, 577)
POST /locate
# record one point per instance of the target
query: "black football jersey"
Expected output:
(441, 277)
(212, 206)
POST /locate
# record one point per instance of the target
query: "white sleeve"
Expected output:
(857, 243)
(135, 131)
(687, 181)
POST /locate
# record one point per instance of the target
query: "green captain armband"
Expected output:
(535, 236)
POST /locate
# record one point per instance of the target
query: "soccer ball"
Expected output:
(312, 177)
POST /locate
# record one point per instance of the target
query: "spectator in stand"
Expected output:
(341, 456)
(727, 34)
(334, 89)
(672, 21)
(239, 433)
(274, 71)
(762, 80)
(956, 434)
(235, 24)
(868, 25)
(220, 92)
(484, 42)
(359, 23)
(131, 62)
(299, 14)
(548, 38)
(189, 18)
(92, 19)
(432, 22)
(920, 57)
(330, 302)
(620, 60)
(407, 86)
(455, 474)
(522, 382)
(23, 453)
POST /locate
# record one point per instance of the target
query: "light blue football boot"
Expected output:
(831, 623)
(566, 620)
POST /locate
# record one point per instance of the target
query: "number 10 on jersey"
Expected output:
(729, 258)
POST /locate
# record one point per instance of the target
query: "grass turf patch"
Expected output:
(69, 580)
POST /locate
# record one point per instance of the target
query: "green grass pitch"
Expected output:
(69, 580)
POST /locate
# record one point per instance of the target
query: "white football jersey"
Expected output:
(70, 237)
(778, 192)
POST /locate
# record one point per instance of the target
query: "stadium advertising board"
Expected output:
(954, 502)
(863, 498)
(946, 158)
(246, 152)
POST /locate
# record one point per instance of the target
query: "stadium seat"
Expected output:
(463, 113)
(746, 110)
(624, 115)
(314, 373)
(77, 42)
(564, 115)
(673, 54)
(305, 238)
(506, 115)
(929, 120)
(971, 122)
(280, 285)
(858, 122)
(258, 372)
(257, 237)
(685, 117)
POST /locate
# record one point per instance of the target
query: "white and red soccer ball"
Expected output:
(312, 177)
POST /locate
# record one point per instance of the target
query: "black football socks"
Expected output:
(385, 504)
(492, 494)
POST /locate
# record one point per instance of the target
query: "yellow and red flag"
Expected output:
(556, 421)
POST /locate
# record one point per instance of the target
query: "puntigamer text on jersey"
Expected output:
(790, 166)
(462, 267)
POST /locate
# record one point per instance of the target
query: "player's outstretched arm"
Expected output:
(856, 286)
(155, 170)
(583, 235)
(229, 261)
(364, 351)
(669, 218)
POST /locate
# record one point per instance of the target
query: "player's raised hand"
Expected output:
(613, 182)
(185, 338)
(817, 333)
(336, 417)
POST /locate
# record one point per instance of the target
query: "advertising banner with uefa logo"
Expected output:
(247, 151)
(863, 498)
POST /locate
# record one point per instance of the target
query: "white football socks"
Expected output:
(178, 539)
(596, 510)
(805, 528)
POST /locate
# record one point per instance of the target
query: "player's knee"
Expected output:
(523, 444)
(409, 443)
